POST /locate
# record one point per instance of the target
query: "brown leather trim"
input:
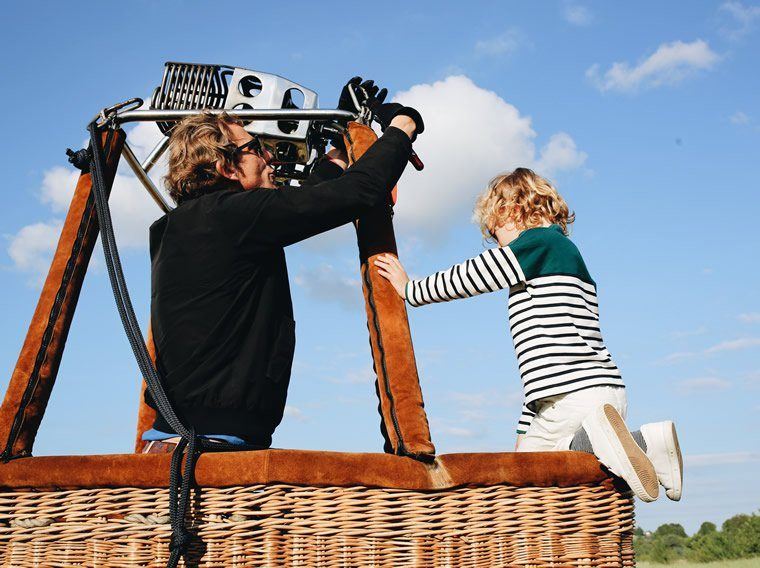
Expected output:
(398, 387)
(145, 414)
(33, 377)
(300, 467)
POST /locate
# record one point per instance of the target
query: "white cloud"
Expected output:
(32, 248)
(729, 458)
(560, 153)
(730, 345)
(459, 432)
(678, 356)
(700, 330)
(752, 379)
(505, 43)
(702, 384)
(471, 134)
(734, 345)
(325, 283)
(343, 237)
(739, 118)
(360, 376)
(668, 65)
(294, 413)
(750, 317)
(132, 209)
(477, 407)
(57, 189)
(738, 19)
(577, 14)
(476, 400)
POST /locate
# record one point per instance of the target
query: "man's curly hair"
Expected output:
(196, 145)
(524, 198)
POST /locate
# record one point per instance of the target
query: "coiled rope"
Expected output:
(191, 445)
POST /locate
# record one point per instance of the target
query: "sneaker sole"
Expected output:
(674, 455)
(643, 481)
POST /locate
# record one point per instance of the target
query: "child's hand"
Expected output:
(389, 267)
(519, 440)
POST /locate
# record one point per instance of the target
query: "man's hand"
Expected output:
(356, 94)
(389, 267)
(386, 114)
(339, 157)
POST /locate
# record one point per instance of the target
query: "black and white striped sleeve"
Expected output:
(526, 417)
(494, 269)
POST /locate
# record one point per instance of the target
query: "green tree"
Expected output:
(670, 528)
(668, 547)
(739, 537)
(743, 534)
(709, 547)
(707, 528)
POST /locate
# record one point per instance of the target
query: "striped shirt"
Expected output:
(553, 312)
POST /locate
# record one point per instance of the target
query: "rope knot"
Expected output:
(180, 541)
(80, 159)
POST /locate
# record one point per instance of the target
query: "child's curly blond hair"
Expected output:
(524, 198)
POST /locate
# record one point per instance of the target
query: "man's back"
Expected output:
(222, 320)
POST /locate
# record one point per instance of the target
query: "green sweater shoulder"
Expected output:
(546, 251)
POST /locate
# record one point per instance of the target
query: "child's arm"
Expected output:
(526, 417)
(494, 269)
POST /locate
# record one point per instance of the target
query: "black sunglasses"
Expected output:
(255, 145)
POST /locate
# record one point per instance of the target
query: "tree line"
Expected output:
(738, 537)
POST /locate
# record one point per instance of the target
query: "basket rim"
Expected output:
(309, 467)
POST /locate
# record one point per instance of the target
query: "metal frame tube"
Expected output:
(142, 175)
(268, 114)
(155, 115)
(156, 154)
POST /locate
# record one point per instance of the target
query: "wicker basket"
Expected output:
(285, 524)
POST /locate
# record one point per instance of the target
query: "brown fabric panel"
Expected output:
(48, 330)
(301, 467)
(401, 403)
(145, 414)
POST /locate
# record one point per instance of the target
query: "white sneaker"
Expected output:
(665, 453)
(614, 446)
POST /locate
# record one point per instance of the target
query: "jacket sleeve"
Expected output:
(325, 170)
(494, 269)
(269, 218)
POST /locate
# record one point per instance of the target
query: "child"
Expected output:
(574, 397)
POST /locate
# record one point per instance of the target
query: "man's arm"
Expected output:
(282, 217)
(331, 166)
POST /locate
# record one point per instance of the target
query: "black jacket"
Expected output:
(221, 311)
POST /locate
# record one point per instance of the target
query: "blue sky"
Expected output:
(645, 115)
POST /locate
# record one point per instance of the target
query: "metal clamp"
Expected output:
(108, 114)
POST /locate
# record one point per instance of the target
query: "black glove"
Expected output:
(385, 113)
(363, 93)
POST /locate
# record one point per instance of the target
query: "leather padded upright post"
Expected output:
(145, 414)
(37, 367)
(404, 422)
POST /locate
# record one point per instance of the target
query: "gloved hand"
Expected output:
(386, 112)
(363, 93)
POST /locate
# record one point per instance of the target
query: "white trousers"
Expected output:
(559, 417)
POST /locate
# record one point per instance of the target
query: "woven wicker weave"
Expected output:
(287, 525)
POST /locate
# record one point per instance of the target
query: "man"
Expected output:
(221, 310)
